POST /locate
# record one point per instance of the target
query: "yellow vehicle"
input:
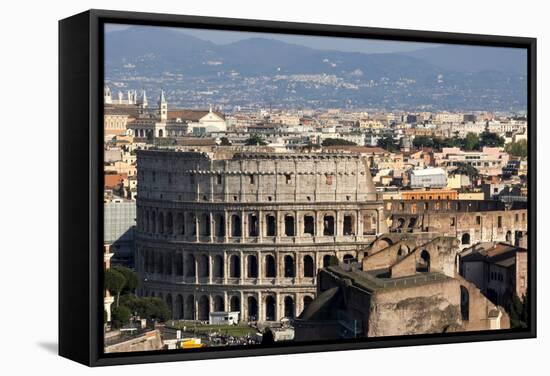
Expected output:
(191, 343)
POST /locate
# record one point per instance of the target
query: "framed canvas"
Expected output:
(235, 187)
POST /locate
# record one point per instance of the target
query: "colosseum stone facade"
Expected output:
(247, 232)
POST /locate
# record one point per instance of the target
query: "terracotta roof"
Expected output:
(112, 180)
(190, 115)
(195, 141)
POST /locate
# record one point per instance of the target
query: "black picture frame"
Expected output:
(80, 165)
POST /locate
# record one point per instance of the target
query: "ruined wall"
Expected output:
(421, 309)
(147, 342)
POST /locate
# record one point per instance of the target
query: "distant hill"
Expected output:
(257, 71)
(474, 58)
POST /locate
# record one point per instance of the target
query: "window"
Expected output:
(452, 221)
(309, 225)
(288, 178)
(348, 225)
(289, 225)
(251, 178)
(271, 225)
(478, 219)
(328, 179)
(499, 221)
(218, 179)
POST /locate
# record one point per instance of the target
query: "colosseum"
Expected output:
(248, 232)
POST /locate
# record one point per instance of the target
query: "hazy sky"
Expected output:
(323, 43)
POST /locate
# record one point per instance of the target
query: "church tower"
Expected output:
(107, 98)
(162, 107)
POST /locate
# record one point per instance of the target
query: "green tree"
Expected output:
(337, 142)
(255, 140)
(388, 143)
(224, 141)
(517, 149)
(467, 169)
(519, 312)
(491, 140)
(471, 142)
(149, 308)
(120, 316)
(114, 282)
(132, 280)
(423, 142)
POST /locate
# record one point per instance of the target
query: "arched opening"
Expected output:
(218, 266)
(328, 260)
(403, 251)
(180, 224)
(348, 225)
(168, 263)
(307, 301)
(289, 266)
(160, 263)
(252, 305)
(465, 240)
(400, 223)
(423, 264)
(190, 267)
(368, 228)
(235, 226)
(204, 267)
(270, 267)
(218, 304)
(252, 267)
(161, 133)
(179, 265)
(205, 225)
(412, 222)
(509, 237)
(189, 308)
(309, 225)
(289, 307)
(169, 303)
(234, 266)
(220, 225)
(289, 225)
(154, 222)
(252, 225)
(348, 258)
(235, 304)
(204, 308)
(464, 303)
(147, 221)
(270, 308)
(178, 309)
(308, 266)
(169, 223)
(328, 225)
(161, 223)
(271, 225)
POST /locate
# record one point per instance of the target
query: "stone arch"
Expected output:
(348, 224)
(423, 262)
(179, 264)
(270, 267)
(234, 266)
(290, 225)
(219, 305)
(252, 305)
(348, 258)
(252, 266)
(160, 263)
(309, 223)
(153, 222)
(270, 311)
(190, 267)
(204, 266)
(465, 239)
(464, 303)
(218, 266)
(205, 224)
(178, 308)
(270, 225)
(161, 133)
(180, 224)
(189, 308)
(403, 251)
(329, 228)
(289, 267)
(236, 230)
(168, 263)
(509, 237)
(235, 304)
(161, 222)
(204, 308)
(169, 223)
(219, 224)
(289, 307)
(309, 269)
